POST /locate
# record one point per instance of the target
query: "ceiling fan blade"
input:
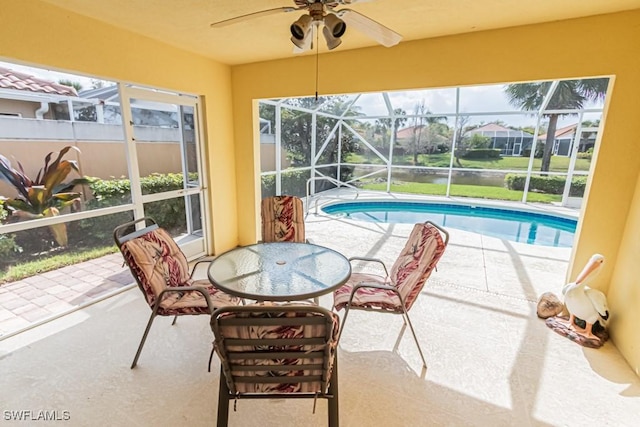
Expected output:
(352, 1)
(383, 35)
(254, 15)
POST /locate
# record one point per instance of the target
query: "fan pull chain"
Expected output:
(317, 66)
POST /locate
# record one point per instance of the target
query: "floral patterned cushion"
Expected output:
(282, 219)
(193, 302)
(158, 263)
(367, 297)
(408, 275)
(275, 331)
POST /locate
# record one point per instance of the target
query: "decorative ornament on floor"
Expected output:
(587, 307)
(549, 305)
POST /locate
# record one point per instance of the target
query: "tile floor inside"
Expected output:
(491, 361)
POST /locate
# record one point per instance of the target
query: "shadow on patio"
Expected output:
(491, 361)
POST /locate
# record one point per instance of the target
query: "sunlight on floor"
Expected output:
(491, 361)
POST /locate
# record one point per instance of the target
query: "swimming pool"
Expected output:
(514, 225)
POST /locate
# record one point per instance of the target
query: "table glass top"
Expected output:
(280, 271)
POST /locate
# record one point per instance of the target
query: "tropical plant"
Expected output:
(45, 195)
(568, 95)
(461, 131)
(297, 130)
(477, 141)
(383, 126)
(8, 245)
(76, 85)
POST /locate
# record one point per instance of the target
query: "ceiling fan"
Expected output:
(322, 12)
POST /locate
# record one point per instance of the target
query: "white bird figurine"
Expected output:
(584, 302)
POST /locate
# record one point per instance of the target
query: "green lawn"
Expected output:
(17, 271)
(476, 191)
(558, 163)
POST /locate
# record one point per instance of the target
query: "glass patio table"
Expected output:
(279, 271)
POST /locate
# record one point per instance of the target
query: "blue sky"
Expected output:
(486, 98)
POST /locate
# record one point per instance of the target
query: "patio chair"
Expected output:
(282, 219)
(276, 350)
(396, 292)
(162, 274)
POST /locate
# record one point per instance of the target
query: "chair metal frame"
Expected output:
(405, 313)
(120, 239)
(284, 350)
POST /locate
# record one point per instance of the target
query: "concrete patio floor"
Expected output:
(491, 361)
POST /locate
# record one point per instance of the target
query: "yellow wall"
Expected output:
(37, 33)
(595, 46)
(624, 291)
(104, 160)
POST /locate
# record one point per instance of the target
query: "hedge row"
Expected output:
(481, 153)
(98, 231)
(170, 214)
(294, 183)
(546, 184)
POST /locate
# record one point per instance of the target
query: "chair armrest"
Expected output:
(199, 289)
(375, 286)
(379, 261)
(193, 270)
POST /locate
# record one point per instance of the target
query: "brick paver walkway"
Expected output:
(34, 299)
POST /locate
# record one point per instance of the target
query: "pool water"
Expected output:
(516, 226)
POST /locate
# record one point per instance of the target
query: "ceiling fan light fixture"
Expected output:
(335, 25)
(332, 42)
(301, 27)
(305, 44)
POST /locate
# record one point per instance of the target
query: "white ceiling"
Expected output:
(186, 23)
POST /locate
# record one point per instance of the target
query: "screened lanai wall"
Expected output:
(434, 141)
(125, 150)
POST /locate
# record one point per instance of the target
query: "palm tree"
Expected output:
(434, 129)
(418, 124)
(383, 125)
(569, 94)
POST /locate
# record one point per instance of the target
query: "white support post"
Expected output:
(453, 143)
(543, 107)
(392, 138)
(572, 161)
(278, 137)
(131, 152)
(312, 155)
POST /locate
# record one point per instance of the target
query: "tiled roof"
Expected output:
(408, 132)
(491, 127)
(563, 133)
(496, 130)
(10, 79)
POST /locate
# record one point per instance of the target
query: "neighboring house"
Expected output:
(426, 138)
(145, 113)
(35, 119)
(510, 142)
(565, 137)
(407, 134)
(268, 149)
(26, 96)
